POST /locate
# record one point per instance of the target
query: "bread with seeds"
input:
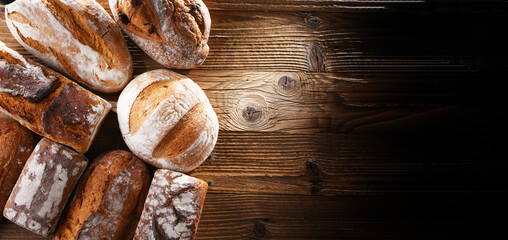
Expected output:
(172, 32)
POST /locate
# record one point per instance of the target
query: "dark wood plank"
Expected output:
(251, 216)
(341, 42)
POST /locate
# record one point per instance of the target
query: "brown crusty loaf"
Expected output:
(172, 32)
(172, 208)
(166, 120)
(48, 103)
(108, 200)
(42, 189)
(76, 37)
(16, 145)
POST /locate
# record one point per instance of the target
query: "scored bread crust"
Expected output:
(58, 108)
(166, 120)
(172, 32)
(76, 37)
(16, 144)
(108, 200)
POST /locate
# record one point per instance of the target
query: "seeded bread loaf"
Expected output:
(172, 208)
(48, 103)
(166, 120)
(16, 145)
(172, 32)
(108, 200)
(46, 182)
(76, 37)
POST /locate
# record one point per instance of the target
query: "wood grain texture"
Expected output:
(347, 120)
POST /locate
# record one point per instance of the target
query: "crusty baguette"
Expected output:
(172, 32)
(44, 186)
(166, 120)
(76, 37)
(172, 208)
(108, 200)
(16, 145)
(48, 103)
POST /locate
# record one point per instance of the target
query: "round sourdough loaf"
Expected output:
(16, 145)
(166, 120)
(172, 32)
(76, 37)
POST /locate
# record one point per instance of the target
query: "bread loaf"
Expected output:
(42, 189)
(76, 37)
(166, 119)
(108, 200)
(48, 103)
(172, 208)
(16, 145)
(172, 32)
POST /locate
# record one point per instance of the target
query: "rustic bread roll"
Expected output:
(172, 32)
(42, 189)
(16, 145)
(76, 37)
(166, 119)
(48, 103)
(172, 208)
(108, 200)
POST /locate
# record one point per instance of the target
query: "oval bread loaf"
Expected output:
(166, 120)
(108, 200)
(76, 37)
(16, 145)
(172, 32)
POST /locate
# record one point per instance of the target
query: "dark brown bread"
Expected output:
(48, 178)
(16, 145)
(108, 200)
(172, 208)
(48, 103)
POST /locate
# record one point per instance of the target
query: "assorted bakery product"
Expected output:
(16, 145)
(172, 32)
(76, 37)
(172, 208)
(46, 182)
(166, 120)
(47, 103)
(108, 200)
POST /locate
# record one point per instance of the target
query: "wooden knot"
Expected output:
(312, 20)
(313, 167)
(252, 112)
(288, 84)
(260, 229)
(316, 60)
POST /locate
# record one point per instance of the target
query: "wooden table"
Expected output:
(346, 120)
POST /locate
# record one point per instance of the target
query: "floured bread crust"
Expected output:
(172, 208)
(172, 32)
(45, 184)
(108, 200)
(47, 103)
(166, 120)
(76, 37)
(16, 145)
